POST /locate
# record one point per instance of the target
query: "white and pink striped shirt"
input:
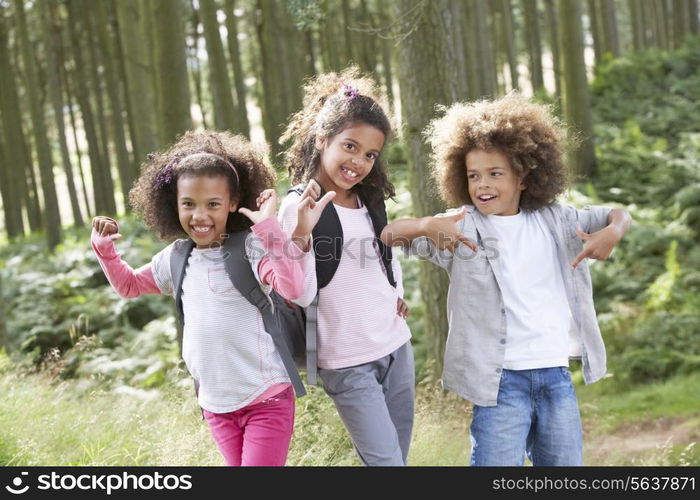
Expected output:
(225, 345)
(357, 311)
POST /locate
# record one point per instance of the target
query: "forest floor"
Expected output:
(77, 422)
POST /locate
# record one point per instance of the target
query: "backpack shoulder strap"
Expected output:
(241, 275)
(178, 264)
(327, 240)
(377, 212)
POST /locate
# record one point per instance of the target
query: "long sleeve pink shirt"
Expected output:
(282, 267)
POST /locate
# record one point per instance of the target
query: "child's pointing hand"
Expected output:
(443, 232)
(599, 245)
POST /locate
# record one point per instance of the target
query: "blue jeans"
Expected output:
(537, 413)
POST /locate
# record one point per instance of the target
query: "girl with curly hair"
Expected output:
(204, 188)
(520, 302)
(364, 354)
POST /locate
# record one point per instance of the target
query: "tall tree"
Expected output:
(102, 185)
(608, 21)
(54, 61)
(281, 68)
(681, 21)
(171, 60)
(509, 36)
(596, 31)
(637, 25)
(693, 17)
(425, 44)
(219, 82)
(3, 327)
(139, 78)
(195, 65)
(484, 49)
(106, 41)
(238, 75)
(15, 160)
(575, 98)
(553, 32)
(52, 218)
(385, 44)
(94, 84)
(534, 44)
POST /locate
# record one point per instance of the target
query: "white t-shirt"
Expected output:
(225, 345)
(538, 318)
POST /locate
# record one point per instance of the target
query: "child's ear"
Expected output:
(233, 206)
(320, 143)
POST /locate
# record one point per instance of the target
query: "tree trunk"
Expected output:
(553, 31)
(52, 217)
(471, 53)
(660, 16)
(139, 79)
(425, 44)
(534, 45)
(331, 53)
(350, 51)
(509, 36)
(596, 31)
(103, 190)
(484, 49)
(16, 161)
(637, 23)
(385, 45)
(238, 75)
(54, 60)
(576, 99)
(171, 60)
(219, 83)
(194, 65)
(693, 17)
(608, 21)
(104, 36)
(281, 61)
(680, 22)
(94, 83)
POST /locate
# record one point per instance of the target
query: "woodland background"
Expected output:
(89, 87)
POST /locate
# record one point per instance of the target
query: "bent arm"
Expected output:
(284, 265)
(127, 282)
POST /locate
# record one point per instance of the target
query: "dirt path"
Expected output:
(647, 442)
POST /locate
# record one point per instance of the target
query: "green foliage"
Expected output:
(61, 310)
(657, 89)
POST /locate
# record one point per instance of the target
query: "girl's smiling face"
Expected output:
(493, 185)
(348, 157)
(203, 206)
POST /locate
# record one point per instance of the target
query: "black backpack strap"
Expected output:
(242, 277)
(377, 212)
(327, 241)
(178, 263)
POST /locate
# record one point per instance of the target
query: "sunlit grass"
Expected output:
(45, 422)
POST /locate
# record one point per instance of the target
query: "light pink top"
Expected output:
(357, 311)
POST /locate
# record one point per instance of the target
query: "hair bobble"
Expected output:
(350, 92)
(166, 175)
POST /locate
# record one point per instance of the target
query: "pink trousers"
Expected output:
(256, 435)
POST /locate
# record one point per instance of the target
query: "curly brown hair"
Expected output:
(528, 133)
(154, 195)
(332, 103)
